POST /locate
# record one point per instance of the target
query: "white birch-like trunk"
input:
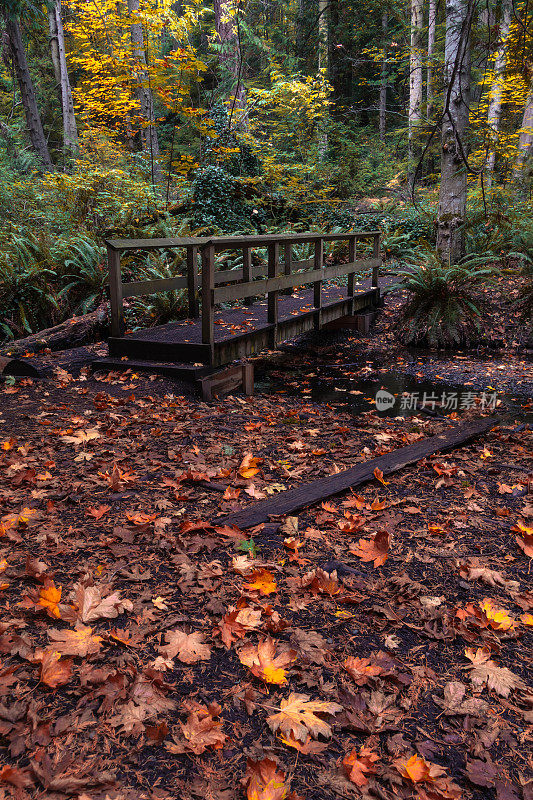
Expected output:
(59, 60)
(432, 23)
(144, 94)
(453, 185)
(415, 85)
(525, 140)
(496, 90)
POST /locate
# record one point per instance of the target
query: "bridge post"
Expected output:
(192, 281)
(273, 267)
(375, 271)
(317, 286)
(208, 285)
(115, 292)
(247, 274)
(352, 255)
(287, 263)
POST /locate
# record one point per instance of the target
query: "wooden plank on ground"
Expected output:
(309, 493)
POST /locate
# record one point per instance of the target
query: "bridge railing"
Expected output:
(278, 275)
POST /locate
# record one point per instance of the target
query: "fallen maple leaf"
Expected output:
(188, 647)
(262, 581)
(201, 731)
(525, 539)
(375, 549)
(99, 512)
(309, 748)
(20, 778)
(237, 622)
(248, 466)
(358, 767)
(264, 781)
(80, 642)
(46, 598)
(418, 770)
(55, 671)
(266, 662)
(297, 717)
(92, 603)
(378, 475)
(498, 618)
(362, 669)
(82, 436)
(484, 671)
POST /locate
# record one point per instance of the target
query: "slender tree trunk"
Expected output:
(432, 24)
(383, 84)
(415, 86)
(144, 94)
(231, 60)
(496, 93)
(323, 64)
(27, 92)
(453, 185)
(525, 141)
(59, 60)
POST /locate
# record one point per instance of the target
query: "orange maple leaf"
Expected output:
(378, 475)
(266, 662)
(248, 466)
(418, 770)
(375, 549)
(358, 767)
(262, 581)
(264, 781)
(46, 598)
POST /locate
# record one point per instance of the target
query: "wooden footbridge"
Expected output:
(233, 313)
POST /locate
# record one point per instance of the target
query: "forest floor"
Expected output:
(378, 643)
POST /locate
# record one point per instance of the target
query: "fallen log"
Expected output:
(309, 493)
(71, 333)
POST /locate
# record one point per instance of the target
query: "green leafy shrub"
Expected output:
(216, 205)
(444, 306)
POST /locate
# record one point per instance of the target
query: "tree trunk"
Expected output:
(496, 93)
(525, 141)
(144, 94)
(383, 84)
(432, 23)
(323, 64)
(27, 92)
(231, 61)
(453, 185)
(59, 60)
(415, 86)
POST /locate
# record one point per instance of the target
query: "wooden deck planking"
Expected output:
(240, 332)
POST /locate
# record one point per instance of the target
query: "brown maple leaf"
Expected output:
(55, 671)
(79, 642)
(237, 622)
(358, 767)
(375, 549)
(93, 603)
(201, 731)
(19, 778)
(297, 717)
(362, 669)
(485, 672)
(266, 662)
(188, 647)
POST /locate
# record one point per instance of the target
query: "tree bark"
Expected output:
(323, 64)
(496, 93)
(59, 60)
(231, 61)
(27, 92)
(144, 94)
(432, 23)
(453, 185)
(415, 85)
(525, 141)
(383, 84)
